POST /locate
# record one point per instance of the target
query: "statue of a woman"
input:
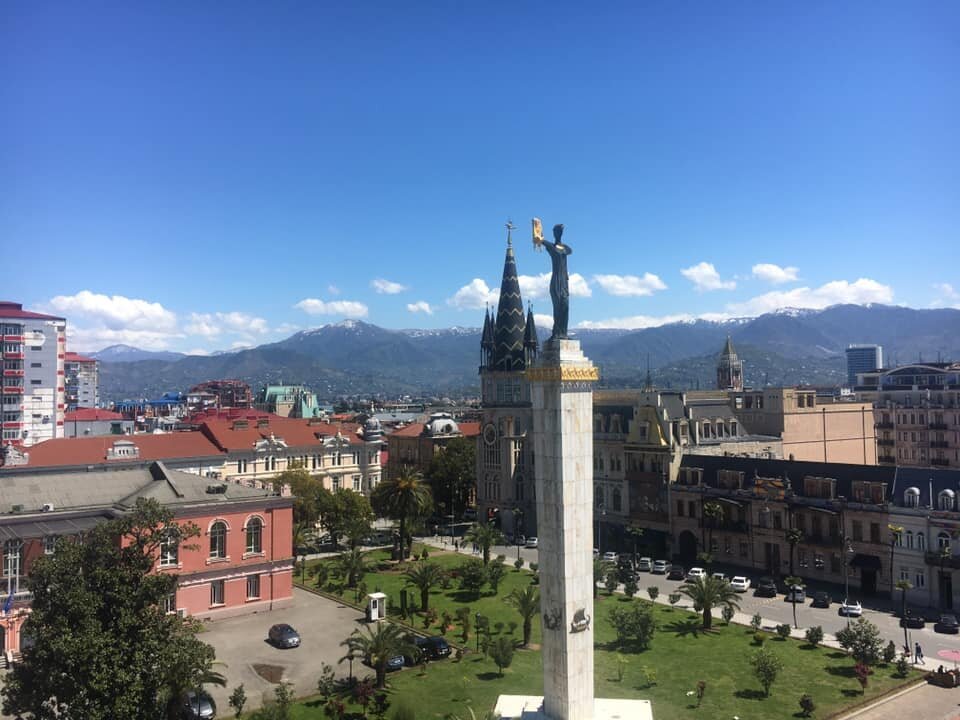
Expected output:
(559, 281)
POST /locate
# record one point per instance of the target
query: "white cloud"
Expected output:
(859, 292)
(116, 312)
(286, 328)
(90, 339)
(774, 274)
(630, 285)
(333, 290)
(475, 295)
(420, 306)
(538, 286)
(198, 351)
(213, 324)
(347, 308)
(543, 322)
(949, 297)
(239, 345)
(704, 276)
(386, 287)
(635, 322)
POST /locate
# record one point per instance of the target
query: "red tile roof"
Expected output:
(76, 357)
(15, 311)
(467, 429)
(91, 414)
(295, 432)
(93, 450)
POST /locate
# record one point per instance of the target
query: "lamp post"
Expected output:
(848, 551)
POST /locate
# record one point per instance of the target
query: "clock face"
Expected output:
(489, 434)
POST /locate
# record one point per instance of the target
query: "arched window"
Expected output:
(911, 497)
(598, 496)
(943, 540)
(254, 535)
(945, 500)
(910, 539)
(218, 539)
(616, 500)
(921, 541)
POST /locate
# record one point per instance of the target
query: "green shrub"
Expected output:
(653, 592)
(727, 613)
(783, 631)
(807, 706)
(815, 635)
(759, 638)
(518, 564)
(649, 675)
(766, 667)
(630, 588)
(889, 652)
(756, 622)
(903, 666)
(402, 711)
(501, 650)
(674, 598)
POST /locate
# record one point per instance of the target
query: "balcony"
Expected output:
(13, 373)
(12, 390)
(933, 558)
(884, 425)
(889, 459)
(12, 425)
(939, 444)
(13, 356)
(938, 426)
(885, 442)
(739, 526)
(13, 339)
(823, 540)
(939, 461)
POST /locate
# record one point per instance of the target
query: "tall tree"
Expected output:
(103, 646)
(712, 515)
(403, 498)
(708, 592)
(452, 473)
(306, 490)
(903, 586)
(526, 601)
(379, 643)
(794, 582)
(794, 537)
(486, 536)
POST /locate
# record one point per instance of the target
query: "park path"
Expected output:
(923, 702)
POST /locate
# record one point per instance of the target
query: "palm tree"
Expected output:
(794, 582)
(425, 576)
(714, 513)
(403, 498)
(378, 645)
(896, 535)
(353, 566)
(708, 592)
(903, 586)
(794, 537)
(486, 536)
(527, 602)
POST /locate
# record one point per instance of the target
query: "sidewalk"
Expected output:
(925, 701)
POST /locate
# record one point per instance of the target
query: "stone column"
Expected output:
(561, 391)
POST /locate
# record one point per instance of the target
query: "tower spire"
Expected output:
(509, 328)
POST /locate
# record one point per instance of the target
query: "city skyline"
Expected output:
(197, 182)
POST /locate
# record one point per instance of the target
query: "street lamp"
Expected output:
(848, 551)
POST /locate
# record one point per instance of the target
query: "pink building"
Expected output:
(242, 562)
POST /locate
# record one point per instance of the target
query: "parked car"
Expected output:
(284, 636)
(795, 593)
(947, 624)
(198, 706)
(719, 576)
(610, 556)
(676, 573)
(645, 564)
(740, 583)
(660, 567)
(851, 608)
(531, 542)
(821, 599)
(394, 663)
(696, 572)
(910, 620)
(435, 648)
(470, 514)
(767, 587)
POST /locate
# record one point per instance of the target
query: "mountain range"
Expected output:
(352, 357)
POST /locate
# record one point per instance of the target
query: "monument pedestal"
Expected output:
(561, 389)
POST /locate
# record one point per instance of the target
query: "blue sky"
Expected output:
(198, 176)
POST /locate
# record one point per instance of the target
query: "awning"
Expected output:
(865, 562)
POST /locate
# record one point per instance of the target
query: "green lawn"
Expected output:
(680, 654)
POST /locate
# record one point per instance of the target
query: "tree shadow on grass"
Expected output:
(491, 675)
(750, 694)
(840, 671)
(847, 692)
(464, 596)
(837, 655)
(687, 626)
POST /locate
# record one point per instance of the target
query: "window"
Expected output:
(12, 558)
(216, 592)
(335, 483)
(835, 563)
(744, 549)
(945, 500)
(49, 544)
(905, 574)
(218, 540)
(253, 587)
(910, 539)
(777, 521)
(679, 508)
(857, 531)
(170, 549)
(356, 483)
(921, 541)
(617, 501)
(255, 535)
(598, 496)
(898, 538)
(818, 560)
(714, 546)
(727, 546)
(943, 540)
(691, 509)
(874, 532)
(919, 580)
(802, 557)
(169, 603)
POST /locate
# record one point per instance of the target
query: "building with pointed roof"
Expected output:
(504, 456)
(729, 368)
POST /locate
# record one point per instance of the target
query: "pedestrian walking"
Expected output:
(456, 546)
(918, 654)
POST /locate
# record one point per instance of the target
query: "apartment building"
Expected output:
(916, 413)
(33, 387)
(82, 376)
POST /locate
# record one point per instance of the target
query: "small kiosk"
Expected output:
(376, 606)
